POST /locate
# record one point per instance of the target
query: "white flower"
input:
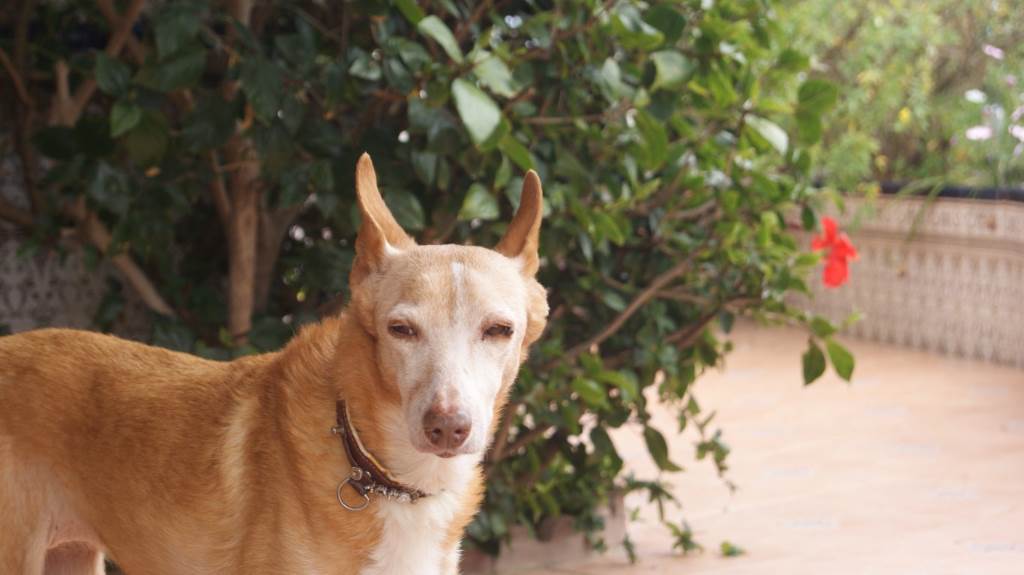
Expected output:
(977, 133)
(1017, 131)
(975, 96)
(993, 52)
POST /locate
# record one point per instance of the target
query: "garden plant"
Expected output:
(206, 150)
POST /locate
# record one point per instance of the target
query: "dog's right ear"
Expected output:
(379, 233)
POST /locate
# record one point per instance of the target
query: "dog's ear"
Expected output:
(521, 239)
(379, 232)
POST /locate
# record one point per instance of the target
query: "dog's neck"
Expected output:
(344, 358)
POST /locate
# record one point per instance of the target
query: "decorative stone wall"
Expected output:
(53, 287)
(943, 275)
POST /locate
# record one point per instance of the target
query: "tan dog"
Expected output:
(173, 464)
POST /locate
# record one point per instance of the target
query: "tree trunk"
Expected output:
(242, 236)
(274, 225)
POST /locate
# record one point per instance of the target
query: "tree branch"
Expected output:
(638, 302)
(466, 25)
(117, 41)
(113, 20)
(19, 85)
(508, 415)
(15, 215)
(97, 234)
(219, 191)
(274, 225)
(524, 438)
(24, 113)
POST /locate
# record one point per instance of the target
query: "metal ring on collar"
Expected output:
(356, 475)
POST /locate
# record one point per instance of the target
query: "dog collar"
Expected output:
(368, 477)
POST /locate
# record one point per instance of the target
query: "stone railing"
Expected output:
(943, 275)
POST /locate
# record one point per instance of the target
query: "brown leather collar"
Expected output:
(367, 477)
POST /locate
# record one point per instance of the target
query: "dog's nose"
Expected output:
(446, 429)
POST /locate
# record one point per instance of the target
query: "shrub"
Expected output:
(917, 77)
(212, 152)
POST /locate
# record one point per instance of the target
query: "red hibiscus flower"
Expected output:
(839, 252)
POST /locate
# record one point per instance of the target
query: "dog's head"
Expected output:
(451, 323)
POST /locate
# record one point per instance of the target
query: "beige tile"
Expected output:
(917, 467)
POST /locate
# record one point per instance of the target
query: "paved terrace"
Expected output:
(915, 468)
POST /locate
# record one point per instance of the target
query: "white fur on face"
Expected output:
(450, 362)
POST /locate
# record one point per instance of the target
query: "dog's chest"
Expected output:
(413, 537)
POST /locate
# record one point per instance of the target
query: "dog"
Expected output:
(355, 449)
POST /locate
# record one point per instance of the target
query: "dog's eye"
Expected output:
(402, 330)
(498, 330)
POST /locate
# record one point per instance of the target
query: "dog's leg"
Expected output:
(22, 533)
(74, 559)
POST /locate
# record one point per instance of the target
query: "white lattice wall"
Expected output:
(52, 288)
(956, 286)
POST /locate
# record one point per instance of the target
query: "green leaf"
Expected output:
(364, 66)
(590, 391)
(842, 359)
(209, 124)
(792, 60)
(112, 76)
(411, 10)
(425, 166)
(182, 70)
(655, 139)
(123, 117)
(613, 300)
(611, 81)
(109, 188)
(263, 85)
(176, 23)
(770, 131)
(671, 68)
(147, 142)
(730, 550)
(479, 203)
(629, 389)
(435, 28)
(808, 219)
(808, 127)
(494, 74)
(478, 111)
(56, 142)
(406, 209)
(321, 175)
(659, 449)
(608, 228)
(817, 96)
(632, 31)
(821, 327)
(668, 19)
(813, 363)
(516, 152)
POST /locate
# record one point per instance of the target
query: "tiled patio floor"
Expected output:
(915, 468)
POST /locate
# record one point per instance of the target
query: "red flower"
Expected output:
(840, 251)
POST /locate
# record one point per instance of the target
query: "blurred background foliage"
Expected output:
(208, 150)
(930, 90)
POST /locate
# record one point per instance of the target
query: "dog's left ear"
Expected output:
(521, 240)
(379, 232)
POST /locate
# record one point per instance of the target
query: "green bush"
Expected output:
(916, 77)
(213, 153)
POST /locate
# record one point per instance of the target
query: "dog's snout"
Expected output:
(446, 429)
